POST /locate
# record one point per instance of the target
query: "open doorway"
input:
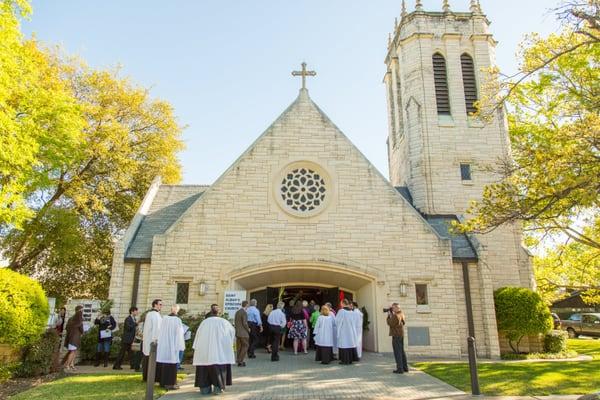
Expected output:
(288, 294)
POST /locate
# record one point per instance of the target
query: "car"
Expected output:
(587, 324)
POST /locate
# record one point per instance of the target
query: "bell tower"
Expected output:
(436, 64)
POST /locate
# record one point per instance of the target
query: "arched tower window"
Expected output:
(470, 86)
(441, 84)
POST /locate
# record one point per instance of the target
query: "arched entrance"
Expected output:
(329, 279)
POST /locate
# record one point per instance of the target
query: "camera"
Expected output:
(387, 310)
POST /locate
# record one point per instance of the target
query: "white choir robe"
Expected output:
(335, 346)
(213, 344)
(170, 340)
(324, 331)
(151, 330)
(345, 322)
(359, 331)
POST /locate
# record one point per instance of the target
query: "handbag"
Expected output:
(136, 346)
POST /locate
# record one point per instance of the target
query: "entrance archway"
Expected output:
(327, 276)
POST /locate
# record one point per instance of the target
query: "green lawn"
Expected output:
(527, 378)
(91, 387)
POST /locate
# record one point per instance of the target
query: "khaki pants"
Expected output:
(241, 345)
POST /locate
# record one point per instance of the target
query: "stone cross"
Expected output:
(304, 73)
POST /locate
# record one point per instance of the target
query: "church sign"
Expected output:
(233, 301)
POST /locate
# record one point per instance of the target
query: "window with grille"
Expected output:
(469, 83)
(465, 172)
(440, 79)
(183, 292)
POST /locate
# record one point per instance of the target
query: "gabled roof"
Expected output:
(462, 247)
(168, 205)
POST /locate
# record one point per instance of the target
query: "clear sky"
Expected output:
(225, 65)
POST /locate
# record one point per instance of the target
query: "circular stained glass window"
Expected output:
(303, 190)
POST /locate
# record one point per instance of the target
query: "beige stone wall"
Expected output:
(483, 310)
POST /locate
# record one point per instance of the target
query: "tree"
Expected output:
(40, 121)
(570, 265)
(83, 189)
(553, 105)
(520, 312)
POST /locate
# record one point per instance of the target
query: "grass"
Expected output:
(91, 387)
(527, 378)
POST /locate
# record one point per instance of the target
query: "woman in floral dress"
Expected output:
(298, 327)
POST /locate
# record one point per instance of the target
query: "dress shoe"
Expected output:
(397, 371)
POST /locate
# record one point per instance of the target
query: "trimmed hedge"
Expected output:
(24, 309)
(520, 312)
(556, 341)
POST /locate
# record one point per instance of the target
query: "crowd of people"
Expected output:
(333, 334)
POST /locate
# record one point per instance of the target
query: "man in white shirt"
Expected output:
(276, 321)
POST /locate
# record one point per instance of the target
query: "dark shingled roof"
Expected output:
(170, 202)
(462, 247)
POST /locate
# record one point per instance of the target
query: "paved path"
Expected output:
(300, 377)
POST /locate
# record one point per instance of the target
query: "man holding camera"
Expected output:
(396, 322)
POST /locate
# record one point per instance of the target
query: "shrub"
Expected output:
(24, 309)
(520, 312)
(555, 341)
(7, 370)
(38, 356)
(89, 343)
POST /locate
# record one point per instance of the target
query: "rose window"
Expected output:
(303, 190)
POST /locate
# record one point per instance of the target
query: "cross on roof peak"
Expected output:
(304, 73)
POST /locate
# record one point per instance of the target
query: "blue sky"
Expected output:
(225, 65)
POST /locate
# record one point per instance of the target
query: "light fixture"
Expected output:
(403, 289)
(202, 291)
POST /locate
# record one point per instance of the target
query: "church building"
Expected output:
(303, 214)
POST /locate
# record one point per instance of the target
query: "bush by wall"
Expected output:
(24, 309)
(555, 341)
(89, 342)
(520, 312)
(38, 356)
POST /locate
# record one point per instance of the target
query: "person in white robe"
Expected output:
(324, 336)
(359, 329)
(345, 321)
(170, 343)
(213, 353)
(152, 322)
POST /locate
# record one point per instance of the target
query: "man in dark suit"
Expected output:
(242, 334)
(127, 338)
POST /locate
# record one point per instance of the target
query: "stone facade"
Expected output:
(365, 235)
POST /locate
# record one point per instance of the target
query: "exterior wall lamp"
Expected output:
(403, 289)
(202, 290)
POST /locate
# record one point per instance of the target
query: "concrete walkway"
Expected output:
(300, 377)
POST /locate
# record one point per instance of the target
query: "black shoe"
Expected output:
(406, 370)
(97, 362)
(397, 371)
(275, 359)
(115, 367)
(251, 356)
(243, 363)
